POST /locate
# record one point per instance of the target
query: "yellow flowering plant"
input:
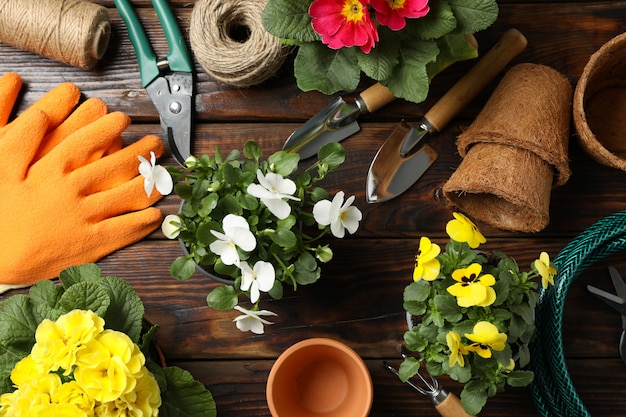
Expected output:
(84, 349)
(471, 314)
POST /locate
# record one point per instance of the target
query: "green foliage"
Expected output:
(113, 299)
(213, 187)
(438, 313)
(405, 61)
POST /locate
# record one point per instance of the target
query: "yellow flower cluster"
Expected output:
(77, 368)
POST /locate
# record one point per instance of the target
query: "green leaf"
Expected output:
(474, 397)
(284, 163)
(453, 47)
(17, 324)
(410, 79)
(80, 273)
(126, 311)
(183, 268)
(285, 238)
(289, 19)
(207, 204)
(185, 397)
(448, 308)
(223, 297)
(520, 378)
(252, 150)
(474, 15)
(380, 62)
(408, 368)
(45, 297)
(438, 22)
(332, 154)
(414, 341)
(86, 296)
(320, 68)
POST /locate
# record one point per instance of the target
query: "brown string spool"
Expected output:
(231, 44)
(515, 151)
(74, 32)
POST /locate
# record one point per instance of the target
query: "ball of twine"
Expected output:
(74, 32)
(231, 44)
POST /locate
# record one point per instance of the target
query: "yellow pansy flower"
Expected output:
(463, 229)
(457, 350)
(486, 337)
(546, 269)
(426, 263)
(473, 289)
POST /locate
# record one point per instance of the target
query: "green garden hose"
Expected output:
(553, 391)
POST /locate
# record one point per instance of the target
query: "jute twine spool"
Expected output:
(231, 44)
(515, 151)
(74, 32)
(600, 104)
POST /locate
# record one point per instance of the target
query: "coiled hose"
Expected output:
(553, 391)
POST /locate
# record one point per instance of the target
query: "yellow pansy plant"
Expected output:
(475, 311)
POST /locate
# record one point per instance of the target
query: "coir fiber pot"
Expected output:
(600, 104)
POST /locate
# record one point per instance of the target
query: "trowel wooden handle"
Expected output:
(376, 97)
(468, 87)
(451, 407)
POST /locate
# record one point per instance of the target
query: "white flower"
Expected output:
(261, 278)
(272, 190)
(171, 226)
(251, 320)
(155, 175)
(236, 233)
(338, 215)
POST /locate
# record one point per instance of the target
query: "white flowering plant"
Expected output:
(85, 349)
(473, 314)
(258, 222)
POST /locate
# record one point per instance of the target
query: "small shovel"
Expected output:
(403, 158)
(336, 121)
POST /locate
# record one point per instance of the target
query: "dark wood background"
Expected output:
(359, 299)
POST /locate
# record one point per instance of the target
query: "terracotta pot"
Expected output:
(319, 377)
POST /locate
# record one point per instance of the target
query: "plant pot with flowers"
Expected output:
(472, 314)
(401, 44)
(257, 223)
(84, 348)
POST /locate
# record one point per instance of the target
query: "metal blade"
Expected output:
(333, 123)
(393, 172)
(612, 300)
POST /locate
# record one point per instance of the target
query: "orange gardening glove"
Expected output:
(57, 104)
(78, 202)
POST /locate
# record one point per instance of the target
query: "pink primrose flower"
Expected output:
(392, 13)
(344, 23)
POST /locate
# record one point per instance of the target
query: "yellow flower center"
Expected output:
(353, 11)
(396, 4)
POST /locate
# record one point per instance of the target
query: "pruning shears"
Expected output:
(169, 83)
(616, 301)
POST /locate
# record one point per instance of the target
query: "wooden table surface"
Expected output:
(359, 298)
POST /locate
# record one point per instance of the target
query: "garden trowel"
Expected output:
(404, 157)
(336, 121)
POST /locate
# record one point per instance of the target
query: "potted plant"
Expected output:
(401, 44)
(471, 314)
(259, 224)
(84, 348)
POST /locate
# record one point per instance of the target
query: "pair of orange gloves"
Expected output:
(70, 192)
